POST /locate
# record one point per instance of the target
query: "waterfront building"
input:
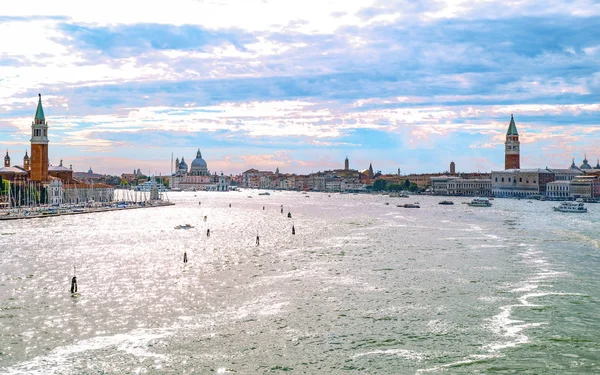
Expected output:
(558, 189)
(56, 192)
(450, 185)
(422, 180)
(512, 152)
(566, 174)
(334, 184)
(316, 181)
(352, 186)
(520, 182)
(439, 185)
(585, 186)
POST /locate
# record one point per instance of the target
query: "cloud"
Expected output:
(433, 78)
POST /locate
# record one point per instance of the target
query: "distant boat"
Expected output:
(409, 205)
(184, 226)
(480, 202)
(265, 193)
(398, 195)
(446, 202)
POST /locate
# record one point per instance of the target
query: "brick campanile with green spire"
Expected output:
(511, 151)
(39, 145)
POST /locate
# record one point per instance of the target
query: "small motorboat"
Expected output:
(409, 205)
(446, 202)
(265, 193)
(184, 226)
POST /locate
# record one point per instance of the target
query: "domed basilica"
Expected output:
(198, 176)
(199, 167)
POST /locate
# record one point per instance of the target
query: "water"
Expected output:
(362, 287)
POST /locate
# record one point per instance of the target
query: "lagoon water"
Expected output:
(361, 288)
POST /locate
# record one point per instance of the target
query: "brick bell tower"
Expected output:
(511, 151)
(39, 146)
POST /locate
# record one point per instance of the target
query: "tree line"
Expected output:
(382, 185)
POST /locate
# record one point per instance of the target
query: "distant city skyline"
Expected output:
(301, 85)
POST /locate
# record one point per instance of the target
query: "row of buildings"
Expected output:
(554, 183)
(37, 182)
(337, 180)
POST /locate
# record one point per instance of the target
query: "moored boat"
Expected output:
(480, 202)
(577, 207)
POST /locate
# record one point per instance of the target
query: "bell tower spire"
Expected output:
(39, 145)
(511, 151)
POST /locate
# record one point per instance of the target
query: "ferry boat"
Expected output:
(480, 202)
(571, 207)
(446, 202)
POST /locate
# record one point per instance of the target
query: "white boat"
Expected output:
(480, 202)
(398, 195)
(571, 207)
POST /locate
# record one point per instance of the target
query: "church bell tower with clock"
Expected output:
(511, 151)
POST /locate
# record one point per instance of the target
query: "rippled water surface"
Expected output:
(362, 287)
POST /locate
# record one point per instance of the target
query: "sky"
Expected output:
(300, 85)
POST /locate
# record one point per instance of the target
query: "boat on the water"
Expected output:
(409, 205)
(571, 207)
(446, 202)
(184, 226)
(398, 195)
(265, 193)
(480, 202)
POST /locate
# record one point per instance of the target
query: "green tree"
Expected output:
(379, 184)
(395, 187)
(406, 184)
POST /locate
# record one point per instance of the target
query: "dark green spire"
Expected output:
(39, 113)
(512, 128)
